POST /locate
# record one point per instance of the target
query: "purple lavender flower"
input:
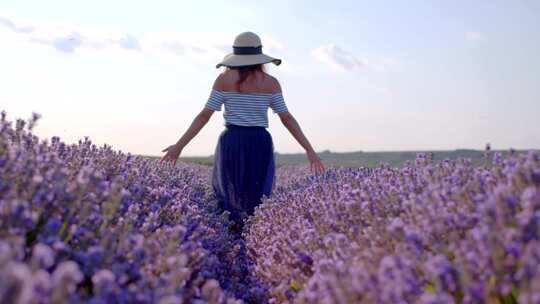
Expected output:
(83, 223)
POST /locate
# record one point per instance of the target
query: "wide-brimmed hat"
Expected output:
(247, 50)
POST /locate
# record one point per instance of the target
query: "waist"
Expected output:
(233, 126)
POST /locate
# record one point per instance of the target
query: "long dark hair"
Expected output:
(245, 71)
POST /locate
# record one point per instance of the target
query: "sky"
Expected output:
(357, 75)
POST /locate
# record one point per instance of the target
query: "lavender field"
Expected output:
(81, 223)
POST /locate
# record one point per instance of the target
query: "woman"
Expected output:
(244, 167)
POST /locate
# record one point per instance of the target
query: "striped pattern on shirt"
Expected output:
(246, 109)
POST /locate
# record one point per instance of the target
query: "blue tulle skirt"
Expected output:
(244, 169)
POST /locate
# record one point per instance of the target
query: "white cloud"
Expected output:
(340, 59)
(67, 44)
(175, 47)
(475, 36)
(127, 42)
(69, 38)
(198, 48)
(201, 48)
(16, 28)
(337, 58)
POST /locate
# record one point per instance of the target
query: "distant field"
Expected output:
(364, 159)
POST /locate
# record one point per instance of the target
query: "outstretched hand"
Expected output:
(173, 152)
(315, 163)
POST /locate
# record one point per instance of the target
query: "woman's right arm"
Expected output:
(292, 125)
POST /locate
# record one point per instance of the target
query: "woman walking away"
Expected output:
(244, 165)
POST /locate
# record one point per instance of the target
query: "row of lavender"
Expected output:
(429, 232)
(82, 223)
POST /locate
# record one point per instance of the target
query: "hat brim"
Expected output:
(233, 60)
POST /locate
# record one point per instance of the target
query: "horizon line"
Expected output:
(374, 151)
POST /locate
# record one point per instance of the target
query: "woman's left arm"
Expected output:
(173, 152)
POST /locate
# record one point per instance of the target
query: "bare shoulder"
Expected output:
(220, 81)
(273, 84)
(226, 80)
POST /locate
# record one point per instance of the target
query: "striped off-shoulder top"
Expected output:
(246, 109)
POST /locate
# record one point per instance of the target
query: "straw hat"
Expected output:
(247, 50)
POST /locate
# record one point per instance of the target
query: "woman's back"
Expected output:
(256, 82)
(246, 97)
